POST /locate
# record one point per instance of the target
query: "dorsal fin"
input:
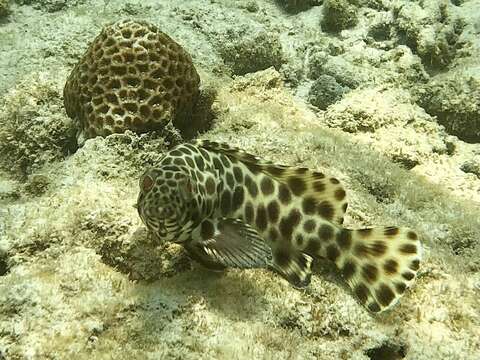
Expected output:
(324, 194)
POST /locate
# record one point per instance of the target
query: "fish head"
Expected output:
(166, 200)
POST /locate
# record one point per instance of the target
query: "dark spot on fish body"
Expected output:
(411, 235)
(408, 249)
(344, 239)
(390, 266)
(313, 247)
(326, 210)
(370, 273)
(267, 186)
(391, 231)
(361, 291)
(334, 181)
(407, 275)
(238, 198)
(384, 295)
(273, 210)
(378, 248)
(238, 173)
(226, 203)
(200, 163)
(284, 194)
(218, 165)
(348, 270)
(205, 154)
(309, 205)
(175, 153)
(332, 253)
(288, 223)
(339, 194)
(325, 232)
(297, 185)
(414, 265)
(225, 161)
(373, 307)
(179, 162)
(261, 220)
(207, 230)
(400, 287)
(200, 176)
(251, 186)
(309, 226)
(230, 180)
(185, 150)
(249, 212)
(189, 161)
(319, 186)
(210, 185)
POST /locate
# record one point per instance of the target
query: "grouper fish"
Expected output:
(231, 209)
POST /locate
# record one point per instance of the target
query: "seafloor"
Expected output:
(382, 94)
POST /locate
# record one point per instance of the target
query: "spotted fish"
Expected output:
(229, 208)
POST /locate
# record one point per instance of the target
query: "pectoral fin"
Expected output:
(229, 243)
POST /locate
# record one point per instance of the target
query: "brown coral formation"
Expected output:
(133, 76)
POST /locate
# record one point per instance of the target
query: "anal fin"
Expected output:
(294, 266)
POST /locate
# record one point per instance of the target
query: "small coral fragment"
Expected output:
(133, 76)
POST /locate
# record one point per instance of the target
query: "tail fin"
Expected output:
(379, 264)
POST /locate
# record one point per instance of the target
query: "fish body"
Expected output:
(229, 208)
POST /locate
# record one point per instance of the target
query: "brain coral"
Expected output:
(133, 76)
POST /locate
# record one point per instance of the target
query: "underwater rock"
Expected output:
(339, 15)
(50, 5)
(4, 8)
(35, 131)
(133, 76)
(471, 167)
(454, 98)
(325, 91)
(344, 72)
(295, 6)
(430, 30)
(246, 52)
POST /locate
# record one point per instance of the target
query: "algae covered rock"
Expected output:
(132, 77)
(295, 6)
(339, 15)
(4, 8)
(430, 30)
(51, 5)
(455, 100)
(325, 91)
(246, 50)
(34, 129)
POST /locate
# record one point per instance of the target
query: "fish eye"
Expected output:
(146, 183)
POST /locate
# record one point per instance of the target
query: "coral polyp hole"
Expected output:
(119, 70)
(126, 34)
